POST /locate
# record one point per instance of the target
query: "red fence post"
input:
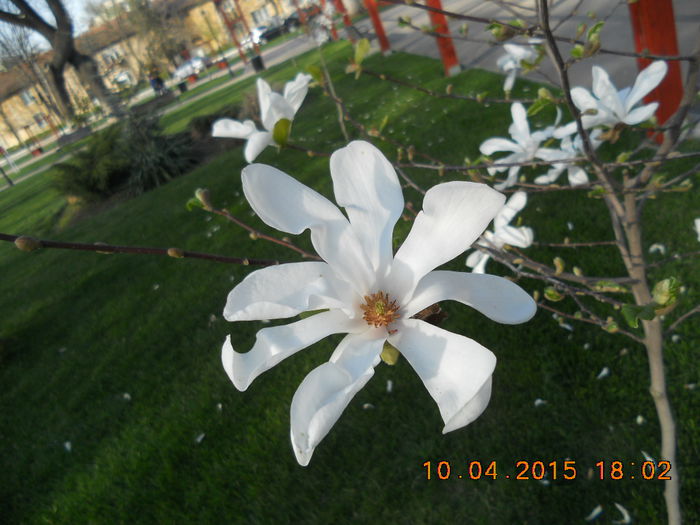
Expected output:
(654, 30)
(371, 6)
(346, 19)
(445, 44)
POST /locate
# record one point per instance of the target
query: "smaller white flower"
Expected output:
(570, 149)
(273, 108)
(503, 233)
(511, 62)
(524, 147)
(608, 107)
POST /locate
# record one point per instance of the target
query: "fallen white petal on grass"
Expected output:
(697, 227)
(389, 386)
(605, 372)
(648, 457)
(68, 446)
(675, 338)
(594, 513)
(690, 386)
(640, 420)
(126, 396)
(570, 225)
(219, 407)
(367, 406)
(657, 247)
(626, 518)
(539, 402)
(199, 438)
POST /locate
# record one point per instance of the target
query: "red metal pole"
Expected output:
(231, 31)
(654, 29)
(371, 6)
(346, 18)
(445, 45)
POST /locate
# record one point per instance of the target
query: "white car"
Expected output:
(255, 37)
(193, 66)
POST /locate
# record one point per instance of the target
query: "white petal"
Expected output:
(518, 52)
(287, 205)
(229, 128)
(276, 343)
(641, 114)
(512, 177)
(565, 130)
(520, 129)
(626, 518)
(455, 370)
(276, 109)
(510, 80)
(606, 92)
(577, 176)
(594, 513)
(295, 91)
(286, 290)
(454, 215)
(497, 298)
(583, 99)
(257, 142)
(493, 145)
(551, 176)
(516, 203)
(646, 81)
(366, 185)
(327, 390)
(477, 261)
(521, 237)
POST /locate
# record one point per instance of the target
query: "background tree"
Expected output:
(60, 37)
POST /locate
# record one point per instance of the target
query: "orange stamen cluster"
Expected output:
(379, 310)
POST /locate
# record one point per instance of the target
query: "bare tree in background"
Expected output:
(60, 37)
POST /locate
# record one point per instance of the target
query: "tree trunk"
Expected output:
(90, 77)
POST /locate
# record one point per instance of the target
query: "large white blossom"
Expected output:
(368, 292)
(503, 233)
(273, 108)
(524, 147)
(512, 62)
(608, 107)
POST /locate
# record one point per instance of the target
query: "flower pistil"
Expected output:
(379, 310)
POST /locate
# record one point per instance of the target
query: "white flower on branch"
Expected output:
(273, 108)
(524, 147)
(369, 293)
(512, 62)
(503, 233)
(570, 149)
(609, 107)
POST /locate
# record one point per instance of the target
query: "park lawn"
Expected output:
(79, 331)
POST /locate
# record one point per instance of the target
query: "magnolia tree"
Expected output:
(388, 302)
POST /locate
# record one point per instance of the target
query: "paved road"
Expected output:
(616, 34)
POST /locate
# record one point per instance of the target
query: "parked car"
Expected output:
(193, 66)
(273, 32)
(255, 36)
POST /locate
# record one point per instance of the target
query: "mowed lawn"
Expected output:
(114, 406)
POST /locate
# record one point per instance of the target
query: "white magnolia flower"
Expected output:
(524, 147)
(503, 233)
(608, 107)
(273, 108)
(511, 62)
(570, 149)
(367, 292)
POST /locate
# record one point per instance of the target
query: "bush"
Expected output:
(97, 171)
(200, 127)
(133, 155)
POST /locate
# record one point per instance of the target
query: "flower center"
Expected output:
(379, 310)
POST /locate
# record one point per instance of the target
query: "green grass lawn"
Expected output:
(80, 331)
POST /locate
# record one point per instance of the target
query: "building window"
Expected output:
(260, 16)
(39, 119)
(27, 97)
